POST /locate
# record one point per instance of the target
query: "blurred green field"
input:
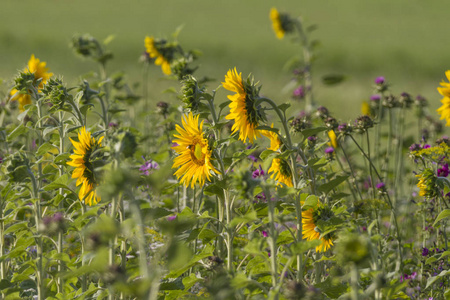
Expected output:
(402, 40)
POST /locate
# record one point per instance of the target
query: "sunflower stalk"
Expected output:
(307, 57)
(273, 234)
(61, 204)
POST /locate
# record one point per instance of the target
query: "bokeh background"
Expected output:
(403, 40)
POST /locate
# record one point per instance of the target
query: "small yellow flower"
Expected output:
(444, 90)
(365, 108)
(276, 23)
(246, 116)
(309, 220)
(153, 52)
(333, 139)
(36, 67)
(194, 157)
(82, 160)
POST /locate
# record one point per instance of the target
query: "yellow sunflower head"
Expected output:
(427, 184)
(157, 51)
(281, 23)
(84, 160)
(194, 157)
(243, 110)
(444, 90)
(311, 232)
(281, 171)
(39, 70)
(275, 141)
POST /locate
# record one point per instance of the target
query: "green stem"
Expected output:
(354, 281)
(307, 56)
(272, 239)
(61, 207)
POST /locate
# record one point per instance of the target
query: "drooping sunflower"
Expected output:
(38, 68)
(83, 161)
(279, 169)
(281, 23)
(194, 157)
(444, 90)
(153, 52)
(247, 117)
(309, 221)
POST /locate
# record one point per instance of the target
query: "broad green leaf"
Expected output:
(443, 215)
(59, 183)
(44, 148)
(327, 187)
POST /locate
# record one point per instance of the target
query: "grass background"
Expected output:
(403, 40)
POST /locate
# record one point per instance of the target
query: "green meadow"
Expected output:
(401, 40)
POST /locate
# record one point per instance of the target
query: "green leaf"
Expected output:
(59, 183)
(247, 218)
(333, 79)
(44, 148)
(432, 280)
(266, 154)
(303, 246)
(171, 284)
(327, 187)
(16, 227)
(207, 251)
(264, 127)
(443, 215)
(430, 260)
(16, 132)
(213, 189)
(284, 106)
(310, 202)
(313, 131)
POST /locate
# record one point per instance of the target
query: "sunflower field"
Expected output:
(224, 192)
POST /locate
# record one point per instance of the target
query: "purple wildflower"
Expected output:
(299, 93)
(425, 251)
(381, 186)
(112, 124)
(265, 234)
(443, 172)
(258, 172)
(147, 166)
(415, 147)
(426, 146)
(329, 150)
(252, 157)
(171, 218)
(379, 80)
(375, 97)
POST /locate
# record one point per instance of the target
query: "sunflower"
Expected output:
(242, 107)
(281, 172)
(281, 23)
(194, 157)
(444, 110)
(276, 23)
(275, 142)
(83, 161)
(153, 52)
(36, 67)
(309, 220)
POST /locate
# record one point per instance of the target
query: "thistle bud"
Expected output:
(405, 100)
(331, 123)
(390, 101)
(162, 108)
(363, 123)
(322, 112)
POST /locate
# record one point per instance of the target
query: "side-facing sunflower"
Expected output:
(444, 90)
(160, 60)
(247, 117)
(279, 169)
(83, 160)
(36, 67)
(281, 23)
(310, 218)
(194, 157)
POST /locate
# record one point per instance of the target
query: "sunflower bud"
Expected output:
(56, 93)
(191, 93)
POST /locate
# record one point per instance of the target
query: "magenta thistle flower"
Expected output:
(375, 97)
(379, 80)
(443, 171)
(299, 93)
